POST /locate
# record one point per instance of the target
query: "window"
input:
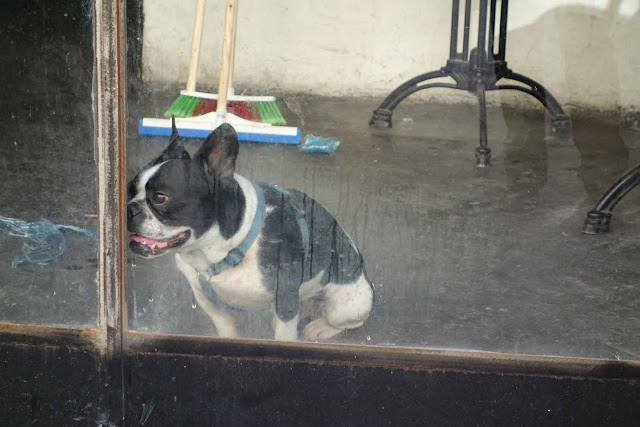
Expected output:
(48, 268)
(483, 258)
(472, 240)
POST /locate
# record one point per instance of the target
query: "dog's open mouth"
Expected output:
(149, 247)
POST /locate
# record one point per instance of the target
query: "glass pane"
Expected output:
(47, 268)
(467, 248)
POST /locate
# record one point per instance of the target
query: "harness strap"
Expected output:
(211, 295)
(236, 255)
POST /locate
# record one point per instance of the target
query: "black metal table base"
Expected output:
(598, 219)
(476, 71)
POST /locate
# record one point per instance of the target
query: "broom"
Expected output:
(202, 125)
(191, 103)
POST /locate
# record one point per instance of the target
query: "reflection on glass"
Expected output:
(48, 258)
(490, 259)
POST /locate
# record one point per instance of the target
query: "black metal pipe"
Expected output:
(533, 93)
(552, 103)
(453, 46)
(598, 219)
(467, 25)
(482, 34)
(502, 49)
(400, 90)
(492, 29)
(619, 190)
(417, 88)
(483, 152)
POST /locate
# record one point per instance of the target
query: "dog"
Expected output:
(244, 244)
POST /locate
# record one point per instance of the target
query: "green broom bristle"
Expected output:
(273, 117)
(182, 107)
(269, 113)
(262, 111)
(276, 111)
(185, 106)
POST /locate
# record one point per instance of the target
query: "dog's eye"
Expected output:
(159, 198)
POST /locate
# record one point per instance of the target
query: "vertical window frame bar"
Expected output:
(109, 90)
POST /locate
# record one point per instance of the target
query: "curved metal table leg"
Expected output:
(599, 218)
(483, 152)
(560, 122)
(382, 115)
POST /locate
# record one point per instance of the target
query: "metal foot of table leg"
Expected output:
(597, 222)
(381, 118)
(560, 125)
(382, 115)
(483, 157)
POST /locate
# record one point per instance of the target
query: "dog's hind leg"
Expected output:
(286, 330)
(347, 306)
(312, 287)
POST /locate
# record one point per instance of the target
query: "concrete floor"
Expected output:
(487, 261)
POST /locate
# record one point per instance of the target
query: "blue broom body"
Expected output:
(191, 128)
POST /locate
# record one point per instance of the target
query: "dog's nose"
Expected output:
(133, 216)
(133, 210)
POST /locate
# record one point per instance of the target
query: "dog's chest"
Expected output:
(241, 286)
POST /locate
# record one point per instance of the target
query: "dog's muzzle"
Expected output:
(134, 216)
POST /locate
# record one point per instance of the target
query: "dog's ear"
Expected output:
(219, 152)
(175, 150)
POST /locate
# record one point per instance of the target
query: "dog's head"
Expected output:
(177, 199)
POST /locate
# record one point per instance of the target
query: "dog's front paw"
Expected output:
(227, 332)
(320, 329)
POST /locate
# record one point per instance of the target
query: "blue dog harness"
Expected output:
(237, 254)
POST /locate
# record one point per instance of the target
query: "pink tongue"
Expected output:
(149, 242)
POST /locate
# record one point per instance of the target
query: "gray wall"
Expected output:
(584, 51)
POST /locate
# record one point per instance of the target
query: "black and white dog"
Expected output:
(243, 244)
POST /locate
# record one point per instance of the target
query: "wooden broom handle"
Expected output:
(233, 43)
(195, 45)
(226, 55)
